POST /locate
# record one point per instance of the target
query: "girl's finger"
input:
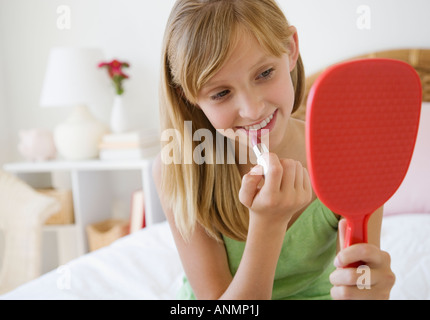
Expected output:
(370, 254)
(307, 185)
(363, 283)
(298, 183)
(355, 293)
(273, 177)
(249, 188)
(288, 175)
(342, 232)
(354, 277)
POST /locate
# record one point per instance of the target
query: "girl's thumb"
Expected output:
(342, 231)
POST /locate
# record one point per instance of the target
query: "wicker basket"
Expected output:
(104, 233)
(65, 198)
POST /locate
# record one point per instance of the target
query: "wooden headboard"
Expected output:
(417, 58)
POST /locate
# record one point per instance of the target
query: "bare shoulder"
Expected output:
(374, 226)
(157, 177)
(301, 127)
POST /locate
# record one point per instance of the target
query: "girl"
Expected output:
(233, 67)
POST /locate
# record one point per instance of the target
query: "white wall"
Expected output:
(332, 30)
(4, 127)
(132, 30)
(129, 30)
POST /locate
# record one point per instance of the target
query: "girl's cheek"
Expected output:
(222, 118)
(282, 93)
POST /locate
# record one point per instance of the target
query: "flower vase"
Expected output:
(118, 118)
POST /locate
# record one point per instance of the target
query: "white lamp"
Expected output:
(73, 79)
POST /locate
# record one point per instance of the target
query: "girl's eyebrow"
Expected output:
(262, 60)
(210, 85)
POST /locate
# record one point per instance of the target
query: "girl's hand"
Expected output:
(286, 189)
(372, 281)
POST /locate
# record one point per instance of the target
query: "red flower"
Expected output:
(115, 73)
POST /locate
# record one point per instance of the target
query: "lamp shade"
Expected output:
(73, 78)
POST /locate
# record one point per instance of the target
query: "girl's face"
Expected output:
(252, 90)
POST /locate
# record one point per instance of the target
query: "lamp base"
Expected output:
(78, 138)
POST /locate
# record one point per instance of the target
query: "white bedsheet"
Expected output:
(407, 238)
(145, 265)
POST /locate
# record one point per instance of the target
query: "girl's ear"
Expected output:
(293, 48)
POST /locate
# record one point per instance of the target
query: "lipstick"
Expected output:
(259, 149)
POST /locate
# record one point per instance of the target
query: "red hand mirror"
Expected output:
(361, 125)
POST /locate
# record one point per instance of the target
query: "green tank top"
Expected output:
(306, 258)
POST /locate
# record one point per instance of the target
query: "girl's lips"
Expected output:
(266, 130)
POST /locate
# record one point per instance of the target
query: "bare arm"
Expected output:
(205, 260)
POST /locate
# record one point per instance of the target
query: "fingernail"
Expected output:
(337, 263)
(257, 170)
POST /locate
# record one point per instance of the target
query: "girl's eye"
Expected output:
(220, 95)
(266, 74)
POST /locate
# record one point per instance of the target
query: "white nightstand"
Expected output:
(100, 189)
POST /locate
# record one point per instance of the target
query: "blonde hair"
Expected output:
(199, 36)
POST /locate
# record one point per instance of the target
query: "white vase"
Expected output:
(118, 118)
(79, 137)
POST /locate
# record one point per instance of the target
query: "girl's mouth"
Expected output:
(262, 128)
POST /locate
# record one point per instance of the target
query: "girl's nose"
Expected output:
(251, 106)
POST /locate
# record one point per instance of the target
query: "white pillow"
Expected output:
(413, 196)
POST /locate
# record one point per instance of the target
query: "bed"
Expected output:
(146, 265)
